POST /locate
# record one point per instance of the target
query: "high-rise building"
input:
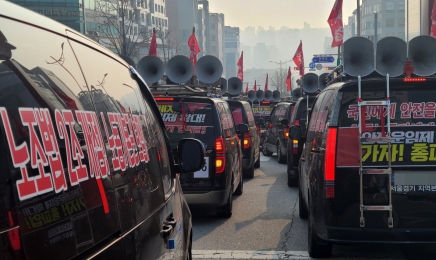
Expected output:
(232, 50)
(217, 37)
(418, 13)
(205, 24)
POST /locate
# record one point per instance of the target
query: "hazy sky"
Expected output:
(278, 13)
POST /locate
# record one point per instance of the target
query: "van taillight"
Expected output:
(14, 236)
(220, 161)
(297, 122)
(286, 133)
(247, 139)
(294, 146)
(330, 163)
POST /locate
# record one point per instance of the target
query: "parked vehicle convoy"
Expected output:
(277, 133)
(86, 168)
(367, 170)
(243, 114)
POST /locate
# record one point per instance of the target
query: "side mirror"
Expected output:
(295, 132)
(191, 155)
(284, 122)
(242, 128)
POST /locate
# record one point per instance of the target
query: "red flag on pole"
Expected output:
(193, 46)
(255, 88)
(299, 59)
(433, 20)
(246, 88)
(266, 83)
(288, 80)
(153, 45)
(241, 67)
(336, 25)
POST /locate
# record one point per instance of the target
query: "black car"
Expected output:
(209, 120)
(243, 114)
(387, 199)
(277, 132)
(86, 168)
(295, 146)
(262, 112)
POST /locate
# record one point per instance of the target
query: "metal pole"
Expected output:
(375, 36)
(358, 17)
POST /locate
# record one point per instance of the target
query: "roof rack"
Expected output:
(184, 90)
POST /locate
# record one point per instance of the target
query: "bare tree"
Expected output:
(119, 26)
(279, 79)
(169, 42)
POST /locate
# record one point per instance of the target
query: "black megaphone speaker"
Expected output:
(260, 95)
(208, 69)
(390, 56)
(151, 68)
(322, 81)
(179, 69)
(358, 56)
(276, 96)
(268, 95)
(422, 51)
(234, 86)
(296, 94)
(310, 83)
(223, 85)
(251, 95)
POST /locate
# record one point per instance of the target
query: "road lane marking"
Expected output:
(236, 254)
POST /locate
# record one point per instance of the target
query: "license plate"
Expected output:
(413, 181)
(204, 172)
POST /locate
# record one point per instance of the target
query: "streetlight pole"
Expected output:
(280, 75)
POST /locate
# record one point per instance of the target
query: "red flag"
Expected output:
(288, 80)
(299, 58)
(122, 108)
(241, 67)
(336, 26)
(153, 45)
(266, 83)
(246, 89)
(433, 20)
(255, 88)
(193, 46)
(69, 102)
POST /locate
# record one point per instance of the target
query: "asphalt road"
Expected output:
(265, 225)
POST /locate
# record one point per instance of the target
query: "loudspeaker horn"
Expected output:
(208, 69)
(310, 83)
(322, 83)
(391, 54)
(151, 68)
(296, 94)
(422, 51)
(234, 86)
(260, 95)
(268, 95)
(358, 56)
(276, 96)
(179, 69)
(223, 85)
(128, 60)
(251, 95)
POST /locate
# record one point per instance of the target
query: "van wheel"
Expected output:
(257, 163)
(280, 157)
(302, 209)
(265, 151)
(225, 211)
(249, 173)
(316, 249)
(240, 188)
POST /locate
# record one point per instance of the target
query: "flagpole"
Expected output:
(358, 17)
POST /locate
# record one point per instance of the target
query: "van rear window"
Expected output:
(198, 121)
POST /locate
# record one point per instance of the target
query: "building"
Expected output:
(418, 13)
(205, 24)
(217, 37)
(232, 50)
(202, 31)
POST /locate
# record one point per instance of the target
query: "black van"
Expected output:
(209, 120)
(295, 146)
(86, 167)
(332, 183)
(277, 132)
(243, 114)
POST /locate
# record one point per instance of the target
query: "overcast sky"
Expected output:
(278, 13)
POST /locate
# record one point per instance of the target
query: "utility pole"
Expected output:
(280, 75)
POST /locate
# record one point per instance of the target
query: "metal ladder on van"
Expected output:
(379, 170)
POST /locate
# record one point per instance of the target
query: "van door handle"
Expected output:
(170, 221)
(166, 231)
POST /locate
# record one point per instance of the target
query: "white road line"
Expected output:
(229, 254)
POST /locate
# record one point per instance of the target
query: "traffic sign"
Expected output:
(319, 66)
(323, 59)
(312, 65)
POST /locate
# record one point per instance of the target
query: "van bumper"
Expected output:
(380, 235)
(212, 198)
(246, 164)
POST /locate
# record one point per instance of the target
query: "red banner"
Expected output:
(241, 67)
(255, 88)
(299, 58)
(288, 80)
(195, 49)
(153, 45)
(336, 25)
(266, 83)
(246, 89)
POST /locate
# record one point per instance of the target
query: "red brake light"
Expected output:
(270, 125)
(286, 133)
(247, 137)
(163, 99)
(330, 163)
(14, 236)
(297, 122)
(220, 161)
(414, 79)
(219, 145)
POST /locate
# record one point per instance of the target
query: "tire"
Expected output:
(315, 249)
(302, 209)
(249, 173)
(280, 158)
(240, 189)
(225, 211)
(257, 163)
(265, 151)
